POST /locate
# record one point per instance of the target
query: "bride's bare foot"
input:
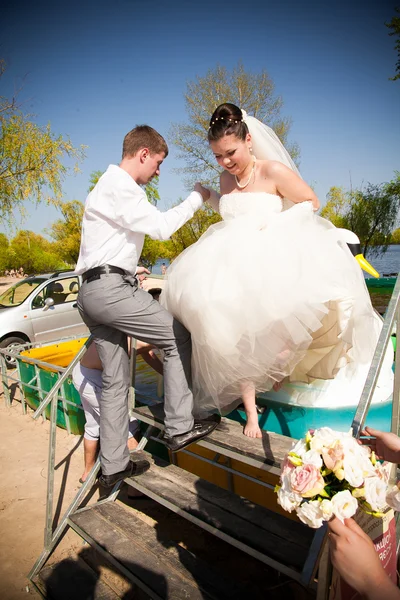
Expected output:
(277, 386)
(252, 428)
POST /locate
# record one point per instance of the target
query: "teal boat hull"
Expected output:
(295, 421)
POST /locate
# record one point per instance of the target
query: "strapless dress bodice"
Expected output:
(240, 204)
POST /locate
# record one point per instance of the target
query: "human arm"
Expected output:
(148, 355)
(121, 201)
(142, 271)
(357, 562)
(288, 184)
(385, 445)
(213, 200)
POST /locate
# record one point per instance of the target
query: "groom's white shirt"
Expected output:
(118, 215)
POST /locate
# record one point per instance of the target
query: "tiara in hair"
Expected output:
(224, 119)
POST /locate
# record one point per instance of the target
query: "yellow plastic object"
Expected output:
(243, 487)
(57, 354)
(364, 264)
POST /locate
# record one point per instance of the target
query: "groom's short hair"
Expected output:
(143, 136)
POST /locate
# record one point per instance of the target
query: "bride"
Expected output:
(271, 292)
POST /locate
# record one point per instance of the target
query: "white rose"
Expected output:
(353, 471)
(344, 505)
(312, 457)
(288, 500)
(327, 509)
(311, 514)
(357, 466)
(350, 443)
(393, 498)
(383, 471)
(375, 493)
(324, 438)
(300, 448)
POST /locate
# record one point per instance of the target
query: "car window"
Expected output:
(61, 291)
(19, 292)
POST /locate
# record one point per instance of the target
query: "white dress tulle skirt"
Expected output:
(268, 294)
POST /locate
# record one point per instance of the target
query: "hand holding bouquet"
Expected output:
(329, 473)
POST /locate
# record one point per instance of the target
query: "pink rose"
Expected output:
(286, 467)
(307, 481)
(333, 457)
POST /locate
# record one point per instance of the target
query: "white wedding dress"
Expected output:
(268, 294)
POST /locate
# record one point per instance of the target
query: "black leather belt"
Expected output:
(96, 272)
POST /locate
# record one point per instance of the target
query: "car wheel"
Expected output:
(11, 343)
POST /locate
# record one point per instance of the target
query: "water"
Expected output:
(388, 262)
(385, 263)
(156, 269)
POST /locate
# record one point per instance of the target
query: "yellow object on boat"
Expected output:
(364, 264)
(57, 354)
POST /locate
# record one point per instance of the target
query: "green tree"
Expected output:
(333, 210)
(94, 177)
(67, 232)
(34, 253)
(255, 93)
(395, 236)
(31, 159)
(394, 26)
(370, 212)
(3, 252)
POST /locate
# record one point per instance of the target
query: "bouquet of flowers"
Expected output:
(329, 473)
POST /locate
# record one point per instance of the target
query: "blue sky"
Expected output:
(96, 69)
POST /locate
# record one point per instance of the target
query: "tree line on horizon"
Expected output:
(32, 166)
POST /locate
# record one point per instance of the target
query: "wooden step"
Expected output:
(163, 571)
(266, 453)
(73, 579)
(284, 544)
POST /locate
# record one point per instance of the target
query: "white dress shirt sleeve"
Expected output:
(133, 211)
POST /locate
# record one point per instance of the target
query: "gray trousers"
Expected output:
(113, 307)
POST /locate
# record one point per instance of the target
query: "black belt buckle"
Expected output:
(97, 272)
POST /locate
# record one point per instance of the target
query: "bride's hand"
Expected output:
(203, 191)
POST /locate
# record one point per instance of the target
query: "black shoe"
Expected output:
(201, 429)
(137, 465)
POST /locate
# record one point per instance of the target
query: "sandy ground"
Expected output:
(23, 484)
(23, 472)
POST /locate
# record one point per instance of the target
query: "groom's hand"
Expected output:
(203, 191)
(141, 271)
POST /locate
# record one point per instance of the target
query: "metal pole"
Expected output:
(65, 408)
(23, 402)
(132, 367)
(50, 473)
(4, 378)
(396, 385)
(62, 379)
(373, 373)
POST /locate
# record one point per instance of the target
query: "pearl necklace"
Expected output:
(243, 185)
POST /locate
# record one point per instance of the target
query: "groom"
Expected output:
(117, 216)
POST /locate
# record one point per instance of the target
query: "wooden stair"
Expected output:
(266, 453)
(162, 570)
(252, 528)
(169, 571)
